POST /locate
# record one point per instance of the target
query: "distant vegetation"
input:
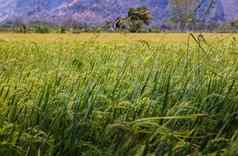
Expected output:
(183, 19)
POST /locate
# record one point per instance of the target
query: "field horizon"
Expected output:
(166, 37)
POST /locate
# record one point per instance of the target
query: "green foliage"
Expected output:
(41, 29)
(136, 26)
(142, 14)
(122, 24)
(20, 28)
(135, 21)
(70, 97)
(62, 30)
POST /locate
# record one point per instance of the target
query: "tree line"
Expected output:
(138, 19)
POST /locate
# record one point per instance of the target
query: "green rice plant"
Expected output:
(73, 97)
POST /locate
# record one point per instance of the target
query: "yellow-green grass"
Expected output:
(114, 37)
(118, 94)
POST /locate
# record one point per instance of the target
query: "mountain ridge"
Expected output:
(99, 11)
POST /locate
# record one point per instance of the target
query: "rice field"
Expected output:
(118, 94)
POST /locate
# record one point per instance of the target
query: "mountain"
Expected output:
(6, 9)
(99, 11)
(212, 9)
(231, 9)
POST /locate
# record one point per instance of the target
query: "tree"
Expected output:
(136, 25)
(121, 23)
(107, 26)
(135, 20)
(141, 13)
(62, 29)
(139, 17)
(19, 26)
(41, 28)
(22, 28)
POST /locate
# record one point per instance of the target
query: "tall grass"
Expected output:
(136, 99)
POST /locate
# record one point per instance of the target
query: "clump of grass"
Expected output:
(145, 99)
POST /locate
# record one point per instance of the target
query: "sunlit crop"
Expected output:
(101, 95)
